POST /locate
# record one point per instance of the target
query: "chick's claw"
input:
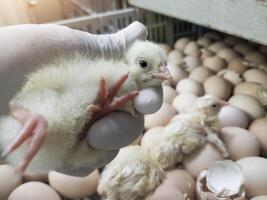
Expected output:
(34, 130)
(107, 100)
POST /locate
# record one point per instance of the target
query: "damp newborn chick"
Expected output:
(192, 127)
(71, 94)
(138, 171)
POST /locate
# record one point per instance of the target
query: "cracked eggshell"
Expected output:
(74, 187)
(239, 142)
(250, 105)
(200, 74)
(254, 170)
(259, 128)
(184, 102)
(183, 181)
(168, 94)
(192, 49)
(232, 116)
(189, 86)
(175, 57)
(247, 88)
(9, 180)
(214, 63)
(177, 73)
(231, 76)
(181, 43)
(222, 181)
(201, 159)
(151, 138)
(161, 118)
(217, 86)
(255, 76)
(34, 191)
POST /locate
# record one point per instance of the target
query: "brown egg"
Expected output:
(260, 197)
(232, 116)
(244, 48)
(34, 191)
(239, 142)
(189, 86)
(74, 187)
(151, 138)
(9, 180)
(168, 94)
(254, 170)
(256, 57)
(204, 41)
(165, 192)
(217, 46)
(181, 43)
(214, 63)
(192, 49)
(201, 159)
(237, 65)
(255, 76)
(165, 47)
(184, 102)
(161, 118)
(183, 181)
(191, 62)
(217, 86)
(175, 57)
(248, 104)
(247, 88)
(177, 73)
(227, 54)
(259, 128)
(200, 74)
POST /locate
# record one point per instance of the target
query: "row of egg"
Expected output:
(231, 69)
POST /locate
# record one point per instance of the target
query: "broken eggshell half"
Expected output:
(223, 181)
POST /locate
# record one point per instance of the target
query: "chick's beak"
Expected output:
(162, 73)
(224, 103)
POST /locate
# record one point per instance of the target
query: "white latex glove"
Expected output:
(25, 47)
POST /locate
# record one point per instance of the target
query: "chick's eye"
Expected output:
(143, 63)
(214, 105)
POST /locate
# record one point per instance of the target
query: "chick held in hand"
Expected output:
(69, 95)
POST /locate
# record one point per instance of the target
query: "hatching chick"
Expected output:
(137, 171)
(66, 93)
(185, 133)
(131, 175)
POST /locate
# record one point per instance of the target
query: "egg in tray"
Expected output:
(230, 69)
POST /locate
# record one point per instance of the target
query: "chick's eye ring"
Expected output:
(143, 63)
(214, 105)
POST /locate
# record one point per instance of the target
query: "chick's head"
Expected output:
(209, 106)
(147, 64)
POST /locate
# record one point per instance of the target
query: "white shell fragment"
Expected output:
(222, 180)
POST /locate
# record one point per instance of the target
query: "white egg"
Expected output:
(189, 86)
(191, 62)
(214, 63)
(177, 73)
(34, 191)
(256, 76)
(175, 57)
(161, 117)
(259, 128)
(184, 102)
(239, 142)
(201, 159)
(256, 57)
(74, 187)
(217, 46)
(192, 49)
(181, 43)
(200, 74)
(204, 41)
(232, 116)
(247, 88)
(168, 94)
(227, 54)
(254, 170)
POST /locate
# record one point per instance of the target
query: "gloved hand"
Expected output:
(25, 47)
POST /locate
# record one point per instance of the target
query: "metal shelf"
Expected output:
(243, 18)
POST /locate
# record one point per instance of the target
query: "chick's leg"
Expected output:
(34, 130)
(215, 140)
